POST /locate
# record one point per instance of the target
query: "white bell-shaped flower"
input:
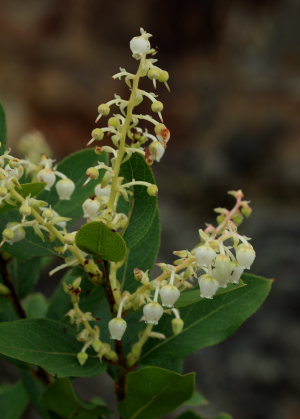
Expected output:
(17, 232)
(236, 274)
(153, 312)
(157, 150)
(221, 278)
(90, 208)
(103, 192)
(47, 176)
(208, 286)
(245, 255)
(169, 294)
(204, 254)
(139, 46)
(65, 188)
(117, 327)
(223, 265)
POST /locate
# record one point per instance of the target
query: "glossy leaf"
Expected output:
(13, 401)
(3, 130)
(153, 392)
(97, 239)
(61, 398)
(208, 322)
(143, 233)
(74, 167)
(51, 345)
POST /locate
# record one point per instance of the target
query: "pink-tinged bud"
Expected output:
(117, 327)
(65, 188)
(162, 132)
(169, 294)
(47, 176)
(90, 208)
(245, 255)
(208, 286)
(153, 312)
(204, 254)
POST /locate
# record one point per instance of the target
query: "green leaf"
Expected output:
(142, 256)
(191, 297)
(26, 188)
(13, 401)
(197, 399)
(36, 306)
(97, 239)
(208, 322)
(3, 130)
(49, 344)
(143, 232)
(34, 388)
(61, 398)
(153, 392)
(25, 274)
(74, 167)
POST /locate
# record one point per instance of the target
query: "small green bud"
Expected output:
(157, 106)
(82, 358)
(153, 73)
(152, 190)
(76, 283)
(114, 122)
(98, 134)
(25, 209)
(70, 238)
(8, 234)
(163, 76)
(246, 210)
(238, 219)
(177, 326)
(220, 218)
(92, 173)
(138, 98)
(103, 109)
(48, 214)
(4, 290)
(96, 345)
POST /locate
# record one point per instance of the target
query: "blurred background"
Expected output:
(233, 112)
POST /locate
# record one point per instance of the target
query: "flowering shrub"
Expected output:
(110, 313)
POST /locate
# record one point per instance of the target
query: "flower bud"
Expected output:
(237, 219)
(90, 208)
(96, 345)
(48, 214)
(157, 106)
(103, 109)
(8, 234)
(169, 294)
(25, 209)
(140, 46)
(163, 76)
(47, 176)
(76, 283)
(177, 326)
(156, 150)
(246, 210)
(70, 238)
(65, 188)
(92, 173)
(3, 191)
(245, 255)
(208, 286)
(152, 190)
(153, 73)
(117, 327)
(162, 132)
(204, 254)
(19, 232)
(114, 122)
(152, 312)
(97, 134)
(82, 358)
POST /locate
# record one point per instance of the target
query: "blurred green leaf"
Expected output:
(13, 401)
(50, 344)
(192, 415)
(61, 398)
(153, 392)
(97, 239)
(208, 322)
(36, 306)
(3, 130)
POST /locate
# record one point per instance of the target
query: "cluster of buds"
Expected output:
(127, 137)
